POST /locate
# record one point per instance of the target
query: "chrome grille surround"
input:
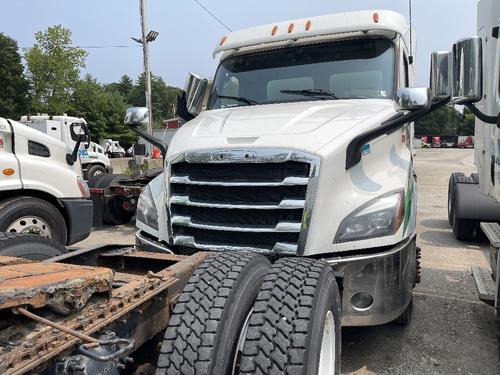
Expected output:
(184, 202)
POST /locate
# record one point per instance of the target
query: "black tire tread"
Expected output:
(192, 334)
(277, 334)
(9, 239)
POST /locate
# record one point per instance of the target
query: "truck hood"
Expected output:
(301, 125)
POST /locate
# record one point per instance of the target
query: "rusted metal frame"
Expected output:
(116, 307)
(147, 255)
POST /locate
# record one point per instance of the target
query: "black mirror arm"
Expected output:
(481, 116)
(354, 149)
(148, 137)
(71, 158)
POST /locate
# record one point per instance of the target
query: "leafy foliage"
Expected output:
(53, 69)
(446, 121)
(14, 86)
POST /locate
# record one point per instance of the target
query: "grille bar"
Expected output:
(279, 247)
(281, 227)
(287, 181)
(284, 204)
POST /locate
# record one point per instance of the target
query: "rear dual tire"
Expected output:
(294, 327)
(29, 246)
(463, 229)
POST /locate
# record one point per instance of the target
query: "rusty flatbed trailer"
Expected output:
(87, 311)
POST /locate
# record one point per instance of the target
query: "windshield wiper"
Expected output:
(311, 92)
(238, 98)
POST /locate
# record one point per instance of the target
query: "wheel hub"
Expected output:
(30, 225)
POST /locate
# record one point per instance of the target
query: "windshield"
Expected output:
(348, 69)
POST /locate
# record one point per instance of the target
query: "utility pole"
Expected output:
(147, 73)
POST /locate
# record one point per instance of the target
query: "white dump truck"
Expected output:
(93, 158)
(41, 188)
(474, 201)
(300, 149)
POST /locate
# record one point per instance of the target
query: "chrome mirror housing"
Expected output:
(195, 89)
(412, 99)
(441, 79)
(467, 70)
(136, 116)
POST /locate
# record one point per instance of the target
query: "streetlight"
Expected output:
(147, 38)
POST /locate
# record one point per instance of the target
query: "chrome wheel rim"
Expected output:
(327, 353)
(30, 225)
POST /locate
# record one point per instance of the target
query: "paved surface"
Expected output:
(451, 332)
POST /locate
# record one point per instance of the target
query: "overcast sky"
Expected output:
(188, 34)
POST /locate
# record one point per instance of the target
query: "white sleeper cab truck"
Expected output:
(93, 158)
(41, 188)
(302, 154)
(474, 201)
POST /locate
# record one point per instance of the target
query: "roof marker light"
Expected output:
(223, 40)
(275, 30)
(375, 17)
(308, 25)
(290, 28)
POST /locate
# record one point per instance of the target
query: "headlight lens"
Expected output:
(146, 209)
(378, 218)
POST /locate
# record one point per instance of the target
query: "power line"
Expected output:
(95, 47)
(213, 15)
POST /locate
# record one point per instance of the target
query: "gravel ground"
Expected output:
(451, 332)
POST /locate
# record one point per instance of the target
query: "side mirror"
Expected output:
(195, 89)
(82, 131)
(440, 82)
(467, 71)
(77, 128)
(412, 99)
(136, 116)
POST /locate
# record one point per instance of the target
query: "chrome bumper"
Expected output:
(150, 244)
(389, 277)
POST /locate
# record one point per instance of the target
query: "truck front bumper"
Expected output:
(79, 213)
(377, 287)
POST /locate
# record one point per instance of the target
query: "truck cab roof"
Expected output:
(66, 119)
(326, 27)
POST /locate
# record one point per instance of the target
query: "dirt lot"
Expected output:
(452, 332)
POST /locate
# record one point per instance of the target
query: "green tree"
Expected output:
(53, 69)
(14, 86)
(102, 109)
(444, 121)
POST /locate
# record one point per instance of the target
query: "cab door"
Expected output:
(495, 110)
(10, 173)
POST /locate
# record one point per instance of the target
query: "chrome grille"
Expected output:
(228, 201)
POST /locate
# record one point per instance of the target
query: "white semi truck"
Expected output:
(474, 201)
(303, 153)
(93, 158)
(41, 188)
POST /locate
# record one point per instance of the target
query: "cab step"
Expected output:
(492, 231)
(485, 284)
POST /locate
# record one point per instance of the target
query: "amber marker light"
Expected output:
(308, 25)
(290, 28)
(375, 17)
(275, 30)
(8, 171)
(223, 40)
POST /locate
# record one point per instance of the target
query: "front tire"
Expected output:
(29, 215)
(29, 246)
(95, 170)
(203, 331)
(295, 323)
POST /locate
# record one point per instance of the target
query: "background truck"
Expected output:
(92, 156)
(465, 141)
(113, 148)
(473, 201)
(41, 188)
(302, 153)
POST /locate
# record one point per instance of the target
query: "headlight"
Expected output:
(146, 209)
(378, 218)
